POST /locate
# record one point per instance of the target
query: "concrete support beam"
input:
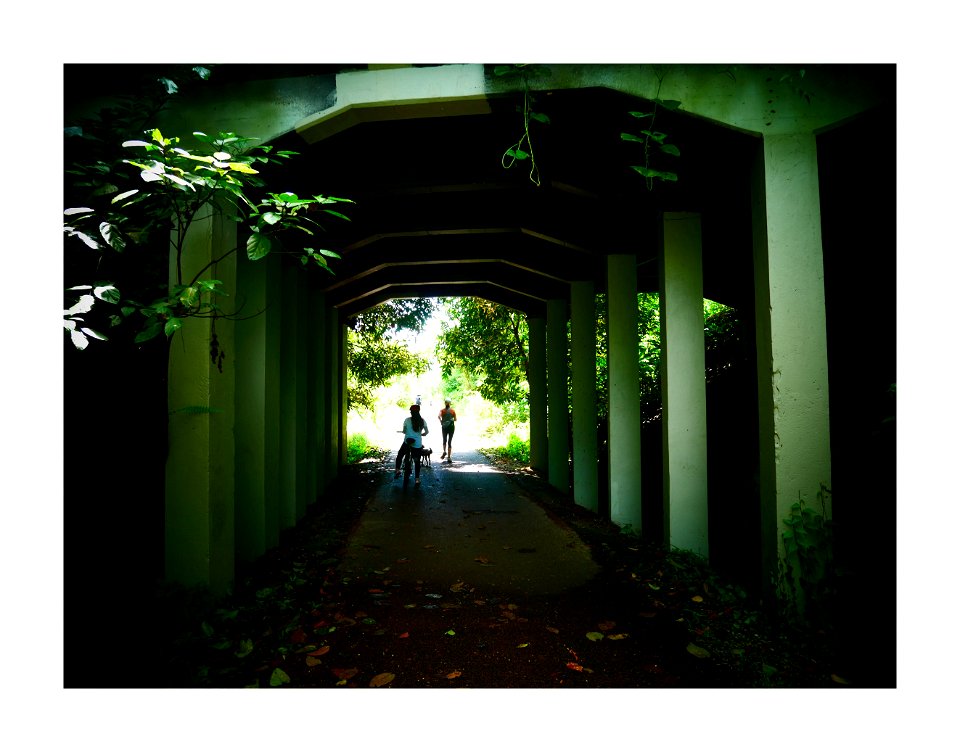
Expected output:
(558, 419)
(583, 347)
(683, 382)
(537, 378)
(336, 369)
(624, 391)
(199, 541)
(317, 395)
(289, 414)
(342, 389)
(791, 335)
(257, 392)
(304, 494)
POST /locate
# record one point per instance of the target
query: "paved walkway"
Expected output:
(467, 522)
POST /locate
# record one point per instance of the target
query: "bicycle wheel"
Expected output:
(406, 469)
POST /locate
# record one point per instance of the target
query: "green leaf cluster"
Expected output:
(146, 193)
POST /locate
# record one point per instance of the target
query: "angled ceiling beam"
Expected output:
(494, 293)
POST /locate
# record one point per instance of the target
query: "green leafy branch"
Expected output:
(220, 173)
(522, 150)
(654, 139)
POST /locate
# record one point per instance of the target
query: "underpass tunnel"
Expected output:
(436, 213)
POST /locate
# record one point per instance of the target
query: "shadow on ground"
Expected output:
(481, 577)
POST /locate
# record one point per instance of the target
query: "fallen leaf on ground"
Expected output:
(606, 626)
(404, 635)
(594, 636)
(278, 677)
(321, 651)
(345, 673)
(453, 674)
(697, 599)
(524, 645)
(575, 666)
(298, 636)
(311, 661)
(380, 679)
(838, 679)
(553, 629)
(619, 636)
(697, 651)
(482, 559)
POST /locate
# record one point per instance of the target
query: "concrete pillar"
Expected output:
(337, 370)
(791, 335)
(257, 391)
(343, 407)
(623, 375)
(288, 398)
(317, 394)
(558, 419)
(583, 348)
(537, 379)
(199, 539)
(303, 494)
(682, 375)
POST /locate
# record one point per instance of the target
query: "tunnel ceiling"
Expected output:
(437, 214)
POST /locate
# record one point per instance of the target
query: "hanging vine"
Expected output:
(653, 139)
(522, 150)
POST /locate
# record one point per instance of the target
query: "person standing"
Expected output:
(414, 428)
(448, 420)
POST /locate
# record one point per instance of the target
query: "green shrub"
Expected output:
(358, 448)
(515, 450)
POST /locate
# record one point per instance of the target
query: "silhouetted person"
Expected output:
(448, 420)
(414, 428)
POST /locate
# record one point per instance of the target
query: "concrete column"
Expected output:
(336, 336)
(537, 379)
(288, 398)
(272, 405)
(791, 335)
(317, 395)
(342, 406)
(583, 347)
(257, 440)
(682, 375)
(623, 376)
(558, 419)
(199, 539)
(303, 494)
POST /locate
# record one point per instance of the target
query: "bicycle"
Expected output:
(408, 462)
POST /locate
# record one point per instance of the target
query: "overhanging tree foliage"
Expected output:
(134, 192)
(376, 354)
(491, 342)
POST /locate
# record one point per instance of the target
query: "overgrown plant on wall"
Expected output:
(807, 578)
(143, 195)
